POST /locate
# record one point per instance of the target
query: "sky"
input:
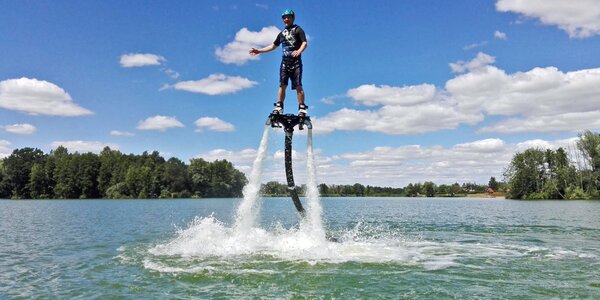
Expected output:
(398, 91)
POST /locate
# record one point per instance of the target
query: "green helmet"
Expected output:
(288, 12)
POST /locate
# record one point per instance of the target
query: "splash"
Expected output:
(207, 237)
(313, 223)
(247, 212)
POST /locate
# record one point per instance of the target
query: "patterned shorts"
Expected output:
(290, 70)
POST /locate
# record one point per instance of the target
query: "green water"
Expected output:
(386, 248)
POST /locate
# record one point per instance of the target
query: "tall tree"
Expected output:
(17, 168)
(493, 184)
(429, 188)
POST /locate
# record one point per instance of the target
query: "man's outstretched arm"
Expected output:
(269, 48)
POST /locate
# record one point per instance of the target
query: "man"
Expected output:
(293, 42)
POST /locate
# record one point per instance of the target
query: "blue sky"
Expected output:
(399, 91)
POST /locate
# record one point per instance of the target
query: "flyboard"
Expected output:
(288, 122)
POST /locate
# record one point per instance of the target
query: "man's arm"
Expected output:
(300, 50)
(269, 48)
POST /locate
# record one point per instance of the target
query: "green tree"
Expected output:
(493, 184)
(359, 189)
(413, 190)
(323, 189)
(38, 183)
(429, 188)
(525, 173)
(200, 176)
(589, 145)
(17, 170)
(274, 188)
(175, 181)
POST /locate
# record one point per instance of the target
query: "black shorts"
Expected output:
(290, 70)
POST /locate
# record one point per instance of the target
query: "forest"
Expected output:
(30, 174)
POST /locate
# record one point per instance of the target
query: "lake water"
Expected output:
(386, 248)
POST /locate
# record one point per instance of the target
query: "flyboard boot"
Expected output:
(278, 109)
(302, 111)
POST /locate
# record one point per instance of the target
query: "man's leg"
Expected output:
(281, 93)
(280, 98)
(300, 94)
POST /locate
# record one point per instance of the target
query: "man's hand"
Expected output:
(296, 53)
(254, 52)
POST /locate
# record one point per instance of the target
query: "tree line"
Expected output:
(29, 173)
(426, 189)
(553, 174)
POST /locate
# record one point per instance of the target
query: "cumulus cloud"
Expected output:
(5, 149)
(133, 60)
(396, 119)
(549, 99)
(402, 110)
(38, 97)
(83, 146)
(371, 95)
(216, 84)
(480, 61)
(474, 161)
(236, 51)
(500, 35)
(538, 100)
(213, 124)
(574, 122)
(120, 133)
(159, 123)
(20, 128)
(580, 19)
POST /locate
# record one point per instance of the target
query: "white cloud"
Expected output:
(482, 146)
(500, 35)
(236, 52)
(475, 64)
(371, 95)
(474, 161)
(83, 146)
(120, 133)
(159, 123)
(216, 84)
(20, 128)
(5, 149)
(396, 119)
(580, 19)
(132, 60)
(171, 73)
(574, 122)
(540, 91)
(213, 124)
(475, 45)
(538, 100)
(38, 97)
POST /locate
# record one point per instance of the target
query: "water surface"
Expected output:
(386, 248)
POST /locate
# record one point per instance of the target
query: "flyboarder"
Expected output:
(293, 42)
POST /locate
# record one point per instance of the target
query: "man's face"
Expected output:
(287, 20)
